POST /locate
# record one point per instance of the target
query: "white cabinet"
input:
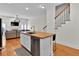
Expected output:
(45, 46)
(25, 41)
(41, 47)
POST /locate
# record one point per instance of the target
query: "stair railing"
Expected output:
(62, 16)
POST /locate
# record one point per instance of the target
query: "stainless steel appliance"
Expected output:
(1, 33)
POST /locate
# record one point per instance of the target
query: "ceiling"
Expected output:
(13, 9)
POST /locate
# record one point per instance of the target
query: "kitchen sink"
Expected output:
(31, 32)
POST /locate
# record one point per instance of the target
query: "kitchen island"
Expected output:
(38, 43)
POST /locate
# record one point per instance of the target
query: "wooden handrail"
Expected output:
(61, 11)
(44, 27)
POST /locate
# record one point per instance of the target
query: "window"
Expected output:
(23, 27)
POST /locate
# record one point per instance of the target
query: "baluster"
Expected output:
(67, 14)
(60, 19)
(56, 23)
(63, 19)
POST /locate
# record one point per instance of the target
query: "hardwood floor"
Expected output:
(62, 50)
(11, 45)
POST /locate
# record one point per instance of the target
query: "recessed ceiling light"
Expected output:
(42, 6)
(27, 8)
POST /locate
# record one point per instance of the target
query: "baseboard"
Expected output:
(12, 38)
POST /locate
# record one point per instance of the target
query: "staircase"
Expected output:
(62, 15)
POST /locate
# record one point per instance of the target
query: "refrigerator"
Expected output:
(1, 33)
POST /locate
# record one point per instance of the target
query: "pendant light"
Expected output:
(17, 19)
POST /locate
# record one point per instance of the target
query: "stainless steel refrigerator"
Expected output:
(1, 33)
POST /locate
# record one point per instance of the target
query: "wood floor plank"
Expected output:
(11, 45)
(62, 50)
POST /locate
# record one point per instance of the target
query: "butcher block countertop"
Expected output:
(40, 35)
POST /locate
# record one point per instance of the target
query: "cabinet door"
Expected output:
(45, 47)
(21, 39)
(26, 41)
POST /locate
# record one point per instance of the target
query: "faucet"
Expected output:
(33, 28)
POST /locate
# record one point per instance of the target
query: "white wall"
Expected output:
(69, 33)
(7, 22)
(38, 22)
(50, 18)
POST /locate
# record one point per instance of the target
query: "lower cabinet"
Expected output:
(41, 47)
(25, 41)
(45, 46)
